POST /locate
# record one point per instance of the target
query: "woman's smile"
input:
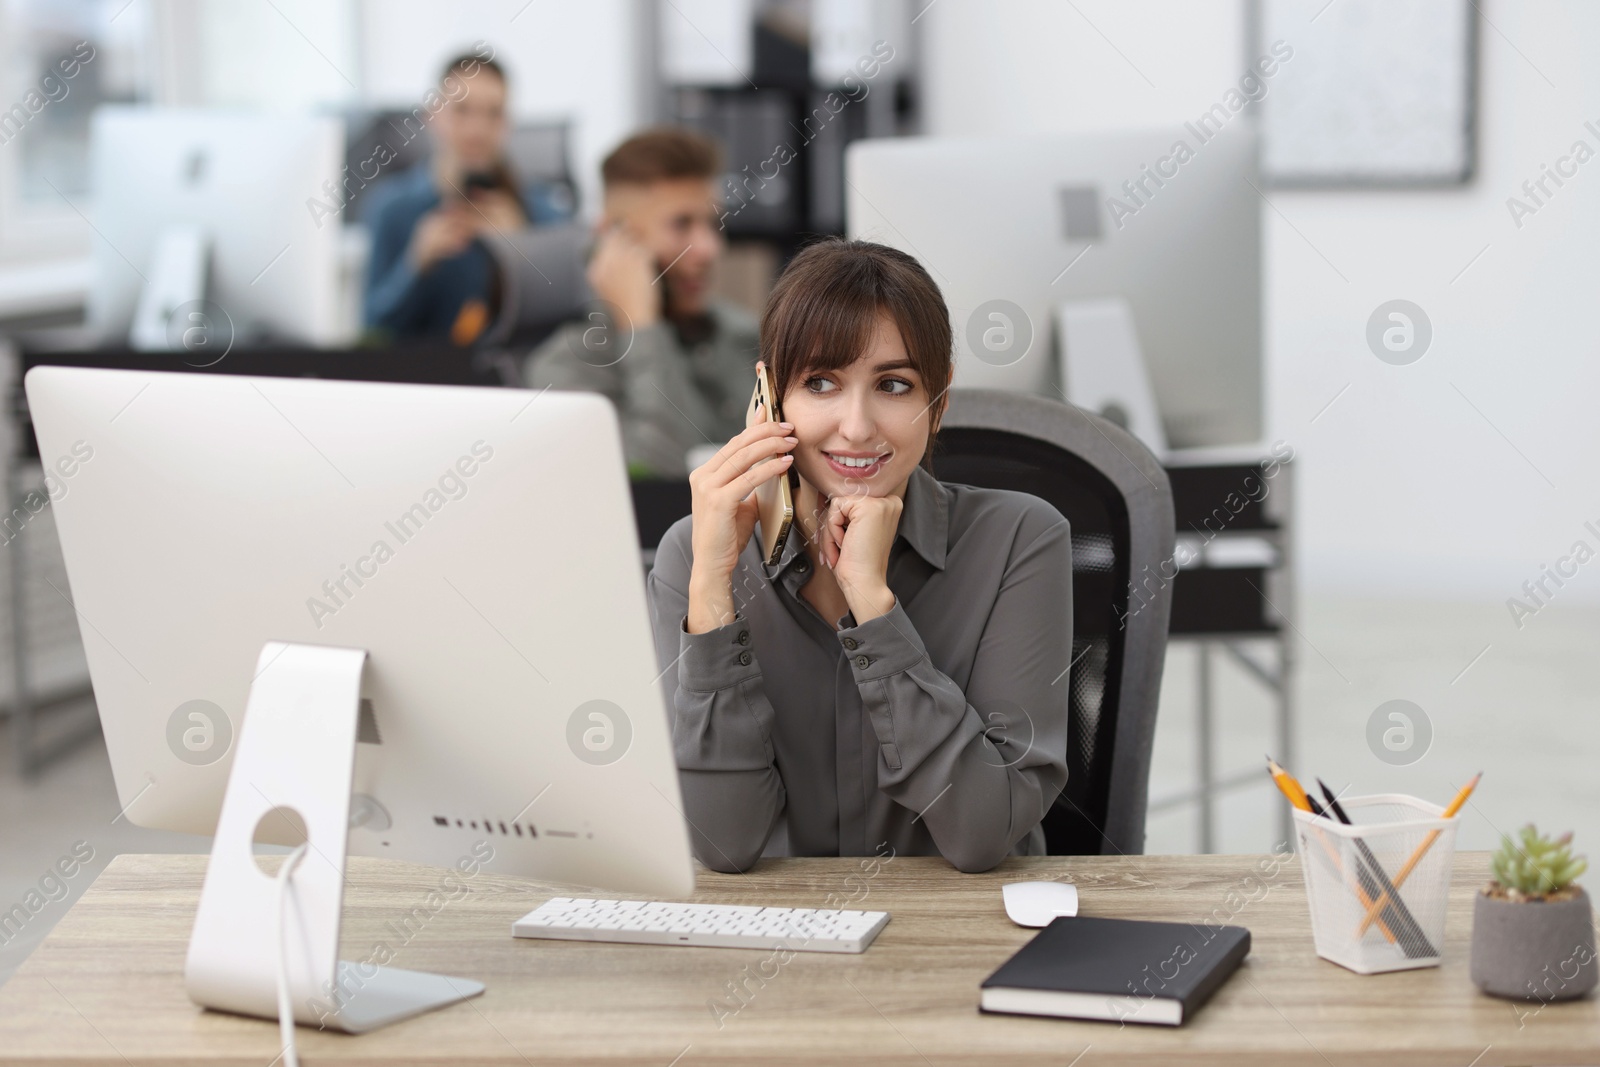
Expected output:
(856, 464)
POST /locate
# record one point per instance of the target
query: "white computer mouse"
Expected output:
(1036, 903)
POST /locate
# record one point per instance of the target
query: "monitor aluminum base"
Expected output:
(296, 760)
(177, 281)
(1103, 367)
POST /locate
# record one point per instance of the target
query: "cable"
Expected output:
(285, 1009)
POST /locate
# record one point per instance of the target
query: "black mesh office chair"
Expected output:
(1115, 495)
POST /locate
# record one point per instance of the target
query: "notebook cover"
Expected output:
(1126, 961)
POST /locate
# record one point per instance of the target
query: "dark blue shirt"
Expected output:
(405, 303)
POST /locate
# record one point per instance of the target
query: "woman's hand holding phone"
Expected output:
(724, 515)
(442, 233)
(496, 211)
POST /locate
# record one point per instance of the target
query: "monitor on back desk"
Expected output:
(232, 539)
(258, 258)
(1026, 233)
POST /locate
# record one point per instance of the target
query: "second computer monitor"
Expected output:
(261, 191)
(1166, 220)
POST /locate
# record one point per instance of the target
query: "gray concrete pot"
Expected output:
(1533, 949)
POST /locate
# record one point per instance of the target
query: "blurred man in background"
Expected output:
(431, 275)
(678, 364)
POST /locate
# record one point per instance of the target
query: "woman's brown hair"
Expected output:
(824, 308)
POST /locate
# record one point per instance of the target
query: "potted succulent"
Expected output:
(1533, 927)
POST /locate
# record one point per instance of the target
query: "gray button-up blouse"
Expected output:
(939, 728)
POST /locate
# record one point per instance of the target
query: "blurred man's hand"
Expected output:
(623, 274)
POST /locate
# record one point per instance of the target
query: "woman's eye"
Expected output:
(897, 386)
(818, 385)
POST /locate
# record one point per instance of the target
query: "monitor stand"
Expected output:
(296, 759)
(1103, 367)
(177, 282)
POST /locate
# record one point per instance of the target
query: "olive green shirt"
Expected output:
(670, 396)
(939, 728)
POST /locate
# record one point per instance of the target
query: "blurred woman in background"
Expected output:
(430, 273)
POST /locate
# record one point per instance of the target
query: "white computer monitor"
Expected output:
(1047, 221)
(478, 545)
(254, 188)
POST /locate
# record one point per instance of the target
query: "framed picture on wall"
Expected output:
(1372, 92)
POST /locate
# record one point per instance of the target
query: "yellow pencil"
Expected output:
(1420, 851)
(1296, 793)
(1290, 788)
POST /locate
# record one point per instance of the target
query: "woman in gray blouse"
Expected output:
(899, 679)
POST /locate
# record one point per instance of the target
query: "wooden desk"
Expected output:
(106, 986)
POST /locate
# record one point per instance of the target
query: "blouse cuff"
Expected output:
(716, 659)
(882, 646)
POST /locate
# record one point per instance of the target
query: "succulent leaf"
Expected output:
(1535, 865)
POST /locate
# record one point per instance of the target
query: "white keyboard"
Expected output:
(704, 925)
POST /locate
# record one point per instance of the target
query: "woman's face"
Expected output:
(472, 125)
(863, 428)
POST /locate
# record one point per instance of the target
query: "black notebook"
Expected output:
(1123, 970)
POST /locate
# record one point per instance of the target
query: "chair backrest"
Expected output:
(1116, 496)
(392, 140)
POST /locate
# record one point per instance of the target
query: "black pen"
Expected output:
(1412, 939)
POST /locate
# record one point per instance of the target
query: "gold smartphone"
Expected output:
(775, 496)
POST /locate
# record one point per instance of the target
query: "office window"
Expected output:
(59, 60)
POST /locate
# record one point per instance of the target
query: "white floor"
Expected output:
(1523, 713)
(68, 811)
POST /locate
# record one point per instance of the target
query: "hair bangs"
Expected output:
(830, 328)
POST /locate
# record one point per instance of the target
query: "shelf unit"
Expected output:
(1233, 588)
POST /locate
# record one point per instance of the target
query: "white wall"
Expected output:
(565, 59)
(1033, 66)
(1405, 489)
(293, 56)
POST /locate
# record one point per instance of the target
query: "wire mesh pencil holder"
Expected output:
(1374, 907)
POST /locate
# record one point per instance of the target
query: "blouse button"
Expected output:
(861, 662)
(744, 637)
(850, 643)
(744, 658)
